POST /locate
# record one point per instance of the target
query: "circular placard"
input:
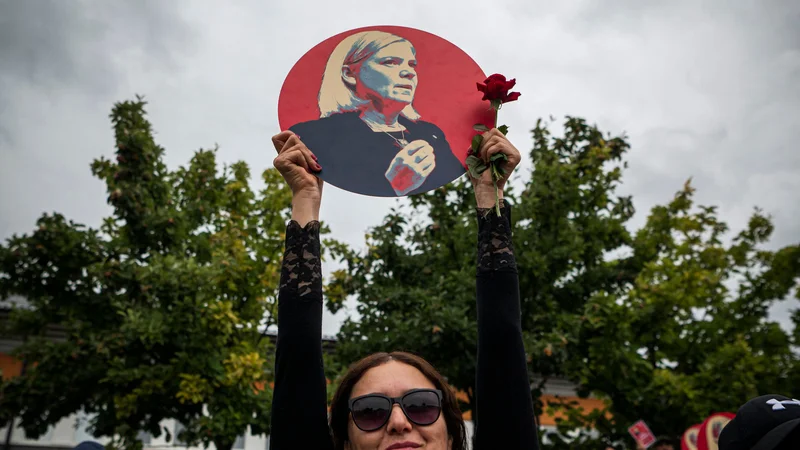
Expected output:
(388, 111)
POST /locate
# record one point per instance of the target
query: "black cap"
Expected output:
(763, 423)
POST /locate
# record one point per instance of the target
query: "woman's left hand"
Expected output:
(494, 142)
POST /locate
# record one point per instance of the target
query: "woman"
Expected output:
(369, 126)
(391, 401)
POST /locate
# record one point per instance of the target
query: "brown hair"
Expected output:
(340, 412)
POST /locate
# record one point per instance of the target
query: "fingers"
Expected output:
(309, 158)
(415, 146)
(428, 167)
(288, 143)
(286, 140)
(286, 160)
(494, 132)
(495, 142)
(280, 139)
(423, 154)
(495, 148)
(297, 155)
(424, 161)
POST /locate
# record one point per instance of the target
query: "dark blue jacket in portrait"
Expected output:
(355, 158)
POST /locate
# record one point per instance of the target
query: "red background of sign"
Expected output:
(446, 93)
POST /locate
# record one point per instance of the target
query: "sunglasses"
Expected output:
(421, 406)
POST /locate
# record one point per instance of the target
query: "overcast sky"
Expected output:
(704, 89)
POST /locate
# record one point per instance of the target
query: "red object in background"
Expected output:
(689, 438)
(445, 96)
(710, 430)
(641, 434)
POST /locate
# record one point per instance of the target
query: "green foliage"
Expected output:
(667, 324)
(162, 309)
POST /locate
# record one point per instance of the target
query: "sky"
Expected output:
(704, 89)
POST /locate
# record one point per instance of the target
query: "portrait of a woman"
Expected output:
(369, 138)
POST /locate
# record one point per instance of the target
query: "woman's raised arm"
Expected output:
(505, 416)
(299, 404)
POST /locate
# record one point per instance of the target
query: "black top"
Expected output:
(356, 158)
(299, 408)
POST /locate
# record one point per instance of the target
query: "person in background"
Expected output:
(768, 422)
(664, 444)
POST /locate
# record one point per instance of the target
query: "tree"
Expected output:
(163, 309)
(689, 336)
(647, 321)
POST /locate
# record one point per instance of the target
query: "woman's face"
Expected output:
(390, 75)
(395, 379)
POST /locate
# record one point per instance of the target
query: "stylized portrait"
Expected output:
(369, 136)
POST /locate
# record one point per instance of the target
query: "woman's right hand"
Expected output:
(411, 166)
(298, 165)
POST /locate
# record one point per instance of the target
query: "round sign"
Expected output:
(710, 429)
(388, 111)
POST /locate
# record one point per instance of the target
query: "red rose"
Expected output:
(496, 89)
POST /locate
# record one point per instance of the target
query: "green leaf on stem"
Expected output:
(497, 156)
(477, 140)
(475, 166)
(473, 160)
(503, 129)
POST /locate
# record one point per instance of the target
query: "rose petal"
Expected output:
(495, 77)
(496, 89)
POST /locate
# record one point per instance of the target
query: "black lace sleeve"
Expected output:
(299, 400)
(301, 272)
(495, 249)
(504, 407)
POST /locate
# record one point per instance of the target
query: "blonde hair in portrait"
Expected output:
(338, 96)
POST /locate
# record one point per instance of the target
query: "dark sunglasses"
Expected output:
(372, 411)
